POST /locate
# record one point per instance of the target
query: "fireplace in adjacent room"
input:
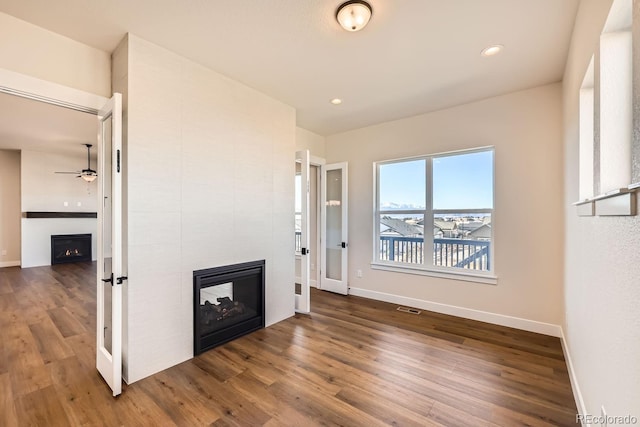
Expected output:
(228, 302)
(70, 248)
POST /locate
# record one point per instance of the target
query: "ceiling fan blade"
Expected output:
(87, 174)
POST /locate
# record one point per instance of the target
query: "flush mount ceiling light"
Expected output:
(354, 15)
(336, 101)
(492, 50)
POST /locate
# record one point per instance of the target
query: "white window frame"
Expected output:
(428, 268)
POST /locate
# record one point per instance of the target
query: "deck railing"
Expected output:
(460, 253)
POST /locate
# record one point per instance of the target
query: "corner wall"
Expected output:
(210, 183)
(602, 270)
(9, 208)
(307, 140)
(526, 130)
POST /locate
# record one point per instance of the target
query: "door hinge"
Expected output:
(305, 251)
(118, 160)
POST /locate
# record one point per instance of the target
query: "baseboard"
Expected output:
(467, 313)
(9, 264)
(577, 394)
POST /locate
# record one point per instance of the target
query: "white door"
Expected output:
(334, 242)
(303, 304)
(110, 275)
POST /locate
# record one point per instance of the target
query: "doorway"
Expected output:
(314, 227)
(107, 118)
(44, 146)
(307, 227)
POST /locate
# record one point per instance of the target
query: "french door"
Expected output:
(110, 274)
(334, 230)
(303, 300)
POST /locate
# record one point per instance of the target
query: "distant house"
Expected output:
(447, 229)
(480, 233)
(398, 227)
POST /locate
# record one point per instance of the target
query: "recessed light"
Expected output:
(336, 101)
(492, 50)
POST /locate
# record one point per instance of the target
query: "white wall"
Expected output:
(602, 270)
(34, 51)
(9, 208)
(525, 128)
(307, 140)
(210, 183)
(45, 191)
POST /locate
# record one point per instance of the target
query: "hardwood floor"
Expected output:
(351, 362)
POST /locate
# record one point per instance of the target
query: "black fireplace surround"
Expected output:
(228, 302)
(70, 248)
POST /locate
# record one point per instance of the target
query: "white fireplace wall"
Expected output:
(44, 191)
(210, 165)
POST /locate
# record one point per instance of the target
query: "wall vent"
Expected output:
(409, 310)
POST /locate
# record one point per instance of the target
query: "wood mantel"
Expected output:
(59, 214)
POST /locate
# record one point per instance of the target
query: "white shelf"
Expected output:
(618, 202)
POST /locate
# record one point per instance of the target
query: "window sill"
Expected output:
(467, 277)
(619, 202)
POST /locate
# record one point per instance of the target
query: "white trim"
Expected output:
(577, 394)
(316, 161)
(467, 313)
(440, 154)
(422, 271)
(313, 282)
(9, 264)
(52, 93)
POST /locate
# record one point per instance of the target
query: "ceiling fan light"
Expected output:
(354, 15)
(89, 178)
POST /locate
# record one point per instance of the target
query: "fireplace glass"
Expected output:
(228, 303)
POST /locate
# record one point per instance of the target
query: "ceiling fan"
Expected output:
(87, 174)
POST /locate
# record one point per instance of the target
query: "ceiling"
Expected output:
(36, 126)
(415, 56)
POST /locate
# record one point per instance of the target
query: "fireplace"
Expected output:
(70, 248)
(228, 302)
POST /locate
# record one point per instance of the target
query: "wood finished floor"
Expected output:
(352, 362)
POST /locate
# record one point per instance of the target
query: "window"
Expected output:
(609, 158)
(434, 213)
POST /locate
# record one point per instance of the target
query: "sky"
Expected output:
(462, 181)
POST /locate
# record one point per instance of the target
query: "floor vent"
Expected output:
(409, 310)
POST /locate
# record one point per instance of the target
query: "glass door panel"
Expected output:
(334, 224)
(334, 229)
(110, 275)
